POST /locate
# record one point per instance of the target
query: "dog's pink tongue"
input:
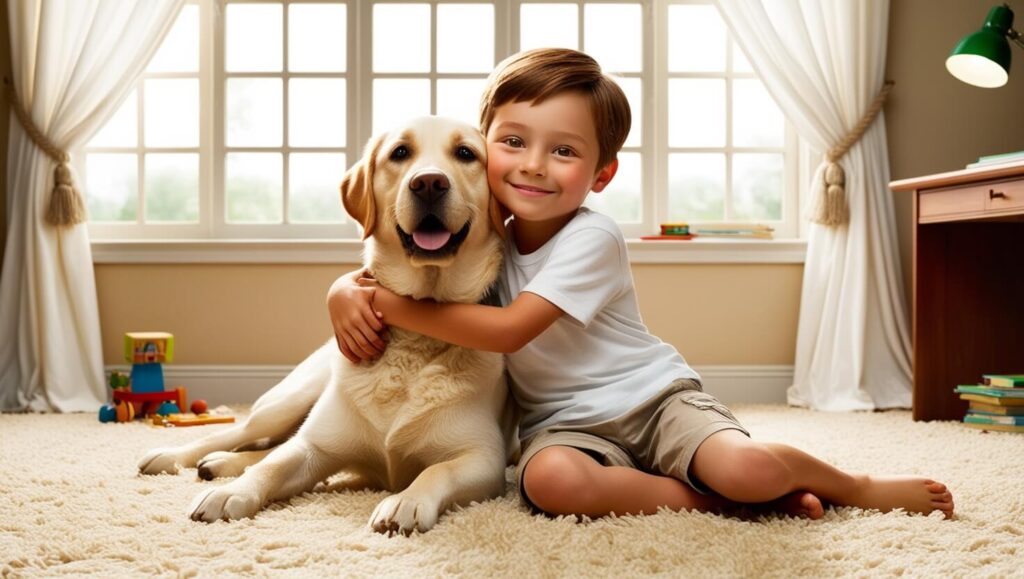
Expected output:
(431, 240)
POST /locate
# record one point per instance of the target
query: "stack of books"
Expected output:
(671, 232)
(1002, 159)
(995, 404)
(733, 230)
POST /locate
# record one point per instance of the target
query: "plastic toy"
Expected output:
(108, 413)
(168, 408)
(143, 393)
(198, 407)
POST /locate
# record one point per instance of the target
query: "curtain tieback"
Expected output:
(831, 206)
(66, 207)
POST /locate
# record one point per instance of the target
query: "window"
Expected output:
(249, 113)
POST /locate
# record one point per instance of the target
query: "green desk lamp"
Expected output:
(982, 58)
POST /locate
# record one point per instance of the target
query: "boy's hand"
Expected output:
(357, 327)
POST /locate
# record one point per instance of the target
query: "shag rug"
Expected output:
(71, 503)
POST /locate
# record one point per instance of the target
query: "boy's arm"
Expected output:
(356, 327)
(476, 326)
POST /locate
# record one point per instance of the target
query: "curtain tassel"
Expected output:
(831, 207)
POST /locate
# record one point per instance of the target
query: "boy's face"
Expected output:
(542, 158)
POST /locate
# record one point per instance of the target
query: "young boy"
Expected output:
(614, 420)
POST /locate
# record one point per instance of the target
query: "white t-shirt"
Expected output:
(598, 360)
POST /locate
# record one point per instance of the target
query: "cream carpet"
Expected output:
(72, 504)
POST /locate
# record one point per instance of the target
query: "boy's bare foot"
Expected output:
(797, 504)
(913, 494)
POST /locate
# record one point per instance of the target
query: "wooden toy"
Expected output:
(192, 419)
(199, 407)
(108, 413)
(148, 347)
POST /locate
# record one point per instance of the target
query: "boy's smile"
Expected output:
(542, 162)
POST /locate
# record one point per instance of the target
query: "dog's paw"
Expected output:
(230, 502)
(162, 460)
(221, 464)
(404, 514)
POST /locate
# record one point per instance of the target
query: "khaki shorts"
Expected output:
(659, 436)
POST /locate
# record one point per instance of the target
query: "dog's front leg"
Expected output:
(292, 468)
(472, 476)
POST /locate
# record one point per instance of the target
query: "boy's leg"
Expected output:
(747, 471)
(562, 480)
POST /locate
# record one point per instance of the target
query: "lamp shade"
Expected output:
(982, 58)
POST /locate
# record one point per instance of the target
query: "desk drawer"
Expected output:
(1012, 196)
(955, 201)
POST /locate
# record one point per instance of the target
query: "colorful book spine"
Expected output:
(1004, 381)
(991, 419)
(991, 391)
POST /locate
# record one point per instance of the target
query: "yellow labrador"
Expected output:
(427, 420)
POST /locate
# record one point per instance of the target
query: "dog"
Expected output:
(428, 421)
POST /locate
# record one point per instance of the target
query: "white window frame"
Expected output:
(181, 241)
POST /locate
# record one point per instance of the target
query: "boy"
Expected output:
(614, 420)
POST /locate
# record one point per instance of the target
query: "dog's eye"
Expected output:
(400, 153)
(465, 154)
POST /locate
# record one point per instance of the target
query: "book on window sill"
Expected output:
(999, 427)
(666, 237)
(993, 400)
(1000, 159)
(735, 234)
(1004, 380)
(983, 408)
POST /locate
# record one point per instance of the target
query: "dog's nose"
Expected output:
(429, 185)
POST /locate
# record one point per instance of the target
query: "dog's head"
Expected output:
(420, 192)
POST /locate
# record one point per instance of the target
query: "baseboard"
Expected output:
(244, 384)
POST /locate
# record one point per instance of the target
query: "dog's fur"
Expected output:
(427, 420)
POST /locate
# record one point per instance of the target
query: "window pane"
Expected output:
(395, 100)
(739, 60)
(180, 49)
(613, 35)
(696, 42)
(757, 121)
(171, 112)
(623, 198)
(401, 38)
(552, 25)
(460, 99)
(316, 112)
(633, 88)
(254, 112)
(313, 180)
(111, 186)
(253, 38)
(757, 187)
(696, 112)
(122, 128)
(253, 187)
(172, 187)
(317, 36)
(696, 187)
(465, 37)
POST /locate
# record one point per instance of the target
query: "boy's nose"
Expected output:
(533, 165)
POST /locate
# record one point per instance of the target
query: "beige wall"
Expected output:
(715, 314)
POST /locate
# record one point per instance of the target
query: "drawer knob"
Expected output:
(993, 194)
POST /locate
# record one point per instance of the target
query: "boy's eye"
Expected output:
(400, 153)
(564, 152)
(464, 153)
(514, 142)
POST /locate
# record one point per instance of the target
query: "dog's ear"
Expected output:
(498, 214)
(357, 188)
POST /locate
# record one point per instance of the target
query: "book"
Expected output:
(672, 237)
(733, 226)
(675, 229)
(1004, 380)
(990, 419)
(983, 408)
(734, 234)
(1000, 159)
(993, 400)
(991, 391)
(1000, 427)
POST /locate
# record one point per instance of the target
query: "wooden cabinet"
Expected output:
(968, 287)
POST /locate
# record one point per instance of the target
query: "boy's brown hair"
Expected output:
(539, 74)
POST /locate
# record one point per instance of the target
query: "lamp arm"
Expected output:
(1015, 37)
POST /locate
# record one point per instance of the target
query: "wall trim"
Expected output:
(294, 251)
(243, 384)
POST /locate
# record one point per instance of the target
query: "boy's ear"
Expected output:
(498, 214)
(604, 176)
(357, 188)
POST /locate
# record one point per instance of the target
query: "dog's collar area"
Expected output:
(448, 248)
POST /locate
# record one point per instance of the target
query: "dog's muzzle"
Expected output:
(431, 238)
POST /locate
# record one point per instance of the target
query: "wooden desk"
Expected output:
(968, 294)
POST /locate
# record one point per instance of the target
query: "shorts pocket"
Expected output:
(705, 401)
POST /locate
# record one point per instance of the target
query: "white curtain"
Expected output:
(823, 61)
(73, 62)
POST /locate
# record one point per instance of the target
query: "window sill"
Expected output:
(350, 252)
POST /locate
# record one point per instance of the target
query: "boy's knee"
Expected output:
(760, 469)
(556, 478)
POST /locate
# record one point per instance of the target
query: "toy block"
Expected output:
(148, 347)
